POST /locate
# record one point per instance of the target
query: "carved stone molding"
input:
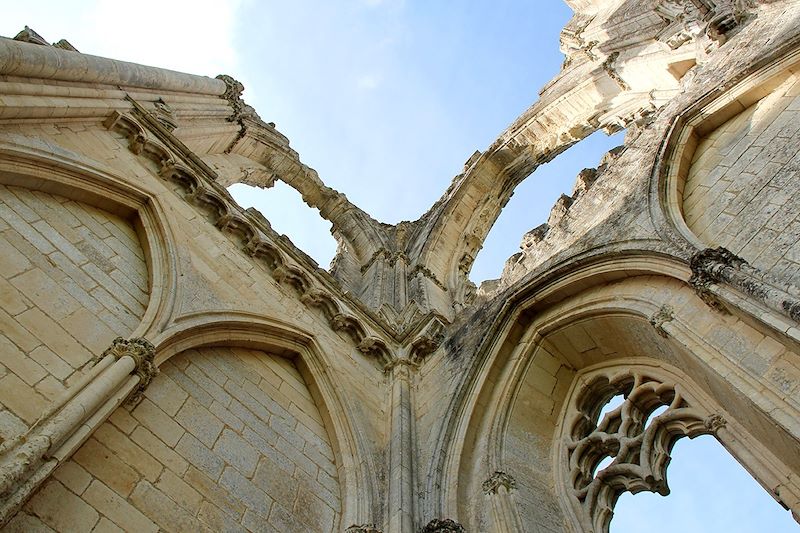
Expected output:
(445, 525)
(233, 94)
(497, 480)
(363, 528)
(719, 265)
(164, 114)
(608, 66)
(247, 228)
(709, 267)
(661, 317)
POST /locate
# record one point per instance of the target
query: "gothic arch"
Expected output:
(358, 486)
(638, 303)
(698, 120)
(494, 357)
(25, 164)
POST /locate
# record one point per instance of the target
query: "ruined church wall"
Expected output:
(742, 191)
(749, 370)
(73, 278)
(136, 467)
(226, 439)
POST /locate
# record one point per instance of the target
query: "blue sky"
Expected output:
(387, 99)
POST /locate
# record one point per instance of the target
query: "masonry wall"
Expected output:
(743, 191)
(226, 439)
(72, 278)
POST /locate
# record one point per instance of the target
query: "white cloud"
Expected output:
(190, 36)
(195, 36)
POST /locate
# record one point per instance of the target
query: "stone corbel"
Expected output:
(714, 266)
(122, 372)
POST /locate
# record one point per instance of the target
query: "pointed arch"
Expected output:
(644, 310)
(25, 162)
(358, 486)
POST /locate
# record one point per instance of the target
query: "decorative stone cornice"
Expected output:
(497, 480)
(287, 265)
(661, 317)
(445, 525)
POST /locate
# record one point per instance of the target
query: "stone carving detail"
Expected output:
(608, 66)
(709, 267)
(443, 526)
(164, 114)
(718, 265)
(233, 94)
(28, 35)
(715, 422)
(363, 528)
(639, 443)
(661, 317)
(702, 20)
(256, 237)
(497, 480)
(143, 353)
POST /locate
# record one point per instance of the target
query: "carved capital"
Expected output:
(143, 354)
(661, 317)
(497, 480)
(715, 422)
(443, 526)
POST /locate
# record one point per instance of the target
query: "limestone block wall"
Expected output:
(226, 439)
(72, 277)
(743, 192)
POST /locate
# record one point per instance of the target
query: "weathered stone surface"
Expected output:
(389, 394)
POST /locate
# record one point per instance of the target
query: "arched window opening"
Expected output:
(533, 200)
(286, 212)
(619, 437)
(709, 491)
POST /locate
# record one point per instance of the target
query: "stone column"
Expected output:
(123, 371)
(498, 489)
(401, 448)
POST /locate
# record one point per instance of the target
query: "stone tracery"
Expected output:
(639, 443)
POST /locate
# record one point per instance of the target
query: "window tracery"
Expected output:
(612, 450)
